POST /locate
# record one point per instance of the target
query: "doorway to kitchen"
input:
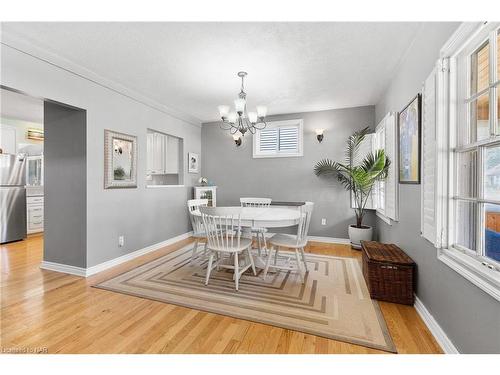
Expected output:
(43, 177)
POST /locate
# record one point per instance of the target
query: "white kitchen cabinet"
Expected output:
(156, 158)
(172, 155)
(149, 148)
(34, 170)
(8, 141)
(34, 214)
(163, 154)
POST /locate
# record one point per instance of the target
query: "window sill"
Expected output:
(260, 156)
(162, 186)
(484, 278)
(384, 218)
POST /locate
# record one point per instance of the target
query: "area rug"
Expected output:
(334, 301)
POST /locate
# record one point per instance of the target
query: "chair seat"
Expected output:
(244, 243)
(286, 240)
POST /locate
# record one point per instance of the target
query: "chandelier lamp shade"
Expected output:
(240, 120)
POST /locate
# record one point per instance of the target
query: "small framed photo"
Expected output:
(120, 160)
(409, 127)
(193, 162)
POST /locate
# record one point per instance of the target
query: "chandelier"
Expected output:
(240, 120)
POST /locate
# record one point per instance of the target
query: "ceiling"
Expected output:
(191, 67)
(20, 107)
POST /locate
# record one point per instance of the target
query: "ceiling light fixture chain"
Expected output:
(240, 120)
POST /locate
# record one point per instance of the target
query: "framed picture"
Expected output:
(193, 162)
(120, 160)
(409, 125)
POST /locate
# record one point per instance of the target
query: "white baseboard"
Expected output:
(344, 241)
(436, 330)
(125, 258)
(86, 272)
(58, 267)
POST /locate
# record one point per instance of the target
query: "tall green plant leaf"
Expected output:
(358, 179)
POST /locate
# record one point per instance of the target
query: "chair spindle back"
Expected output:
(223, 227)
(304, 221)
(196, 221)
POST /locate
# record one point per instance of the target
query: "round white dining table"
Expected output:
(267, 217)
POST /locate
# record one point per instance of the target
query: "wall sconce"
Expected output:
(237, 139)
(319, 134)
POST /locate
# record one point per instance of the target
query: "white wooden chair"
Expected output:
(260, 233)
(197, 224)
(297, 242)
(223, 229)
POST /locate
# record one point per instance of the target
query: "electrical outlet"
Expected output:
(323, 221)
(121, 241)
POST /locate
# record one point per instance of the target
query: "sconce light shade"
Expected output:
(319, 134)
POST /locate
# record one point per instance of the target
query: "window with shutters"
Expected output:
(461, 184)
(385, 192)
(279, 139)
(475, 205)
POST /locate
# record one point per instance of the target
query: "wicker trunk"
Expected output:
(389, 272)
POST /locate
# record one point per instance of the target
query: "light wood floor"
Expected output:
(64, 314)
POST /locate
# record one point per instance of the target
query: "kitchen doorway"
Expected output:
(43, 177)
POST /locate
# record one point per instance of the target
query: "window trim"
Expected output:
(473, 268)
(277, 154)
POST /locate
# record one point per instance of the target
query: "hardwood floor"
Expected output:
(59, 313)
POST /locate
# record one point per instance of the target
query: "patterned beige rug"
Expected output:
(333, 303)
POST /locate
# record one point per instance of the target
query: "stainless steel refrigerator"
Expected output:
(12, 197)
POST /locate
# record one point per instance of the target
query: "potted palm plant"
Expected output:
(358, 178)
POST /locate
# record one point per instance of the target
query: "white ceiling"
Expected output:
(20, 107)
(293, 67)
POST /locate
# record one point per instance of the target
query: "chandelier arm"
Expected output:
(259, 127)
(224, 125)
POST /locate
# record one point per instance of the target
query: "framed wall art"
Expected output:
(409, 128)
(193, 162)
(120, 160)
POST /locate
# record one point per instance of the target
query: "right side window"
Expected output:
(476, 192)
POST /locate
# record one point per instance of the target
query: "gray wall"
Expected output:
(237, 174)
(65, 176)
(143, 215)
(469, 316)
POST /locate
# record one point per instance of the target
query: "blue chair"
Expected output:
(492, 244)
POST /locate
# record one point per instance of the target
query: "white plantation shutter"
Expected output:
(289, 139)
(279, 139)
(428, 204)
(386, 192)
(364, 148)
(391, 183)
(268, 140)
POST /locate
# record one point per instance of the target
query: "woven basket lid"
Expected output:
(382, 252)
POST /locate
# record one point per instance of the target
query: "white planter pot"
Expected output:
(356, 235)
